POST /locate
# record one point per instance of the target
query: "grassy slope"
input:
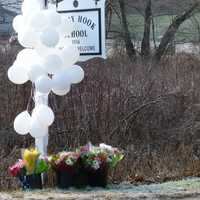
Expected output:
(187, 32)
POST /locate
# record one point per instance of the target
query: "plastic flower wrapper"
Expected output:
(115, 159)
(86, 149)
(17, 169)
(42, 166)
(106, 147)
(30, 157)
(52, 160)
(114, 154)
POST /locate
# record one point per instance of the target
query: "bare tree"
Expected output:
(126, 33)
(111, 10)
(172, 30)
(158, 8)
(145, 48)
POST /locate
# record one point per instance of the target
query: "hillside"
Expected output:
(160, 7)
(163, 12)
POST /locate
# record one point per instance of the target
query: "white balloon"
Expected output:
(22, 123)
(17, 75)
(35, 71)
(28, 38)
(18, 22)
(24, 54)
(52, 63)
(54, 18)
(75, 74)
(44, 115)
(43, 84)
(70, 55)
(38, 21)
(43, 50)
(30, 6)
(36, 129)
(61, 92)
(60, 80)
(49, 37)
(28, 57)
(66, 27)
(63, 42)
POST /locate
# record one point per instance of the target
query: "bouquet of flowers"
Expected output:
(66, 166)
(97, 160)
(18, 169)
(64, 161)
(102, 156)
(31, 163)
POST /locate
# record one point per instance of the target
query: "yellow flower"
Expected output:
(30, 157)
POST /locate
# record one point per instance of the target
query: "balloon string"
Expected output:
(30, 99)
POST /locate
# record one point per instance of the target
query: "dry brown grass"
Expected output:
(152, 114)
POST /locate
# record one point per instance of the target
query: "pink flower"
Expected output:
(16, 168)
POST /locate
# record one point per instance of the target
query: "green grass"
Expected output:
(186, 184)
(187, 32)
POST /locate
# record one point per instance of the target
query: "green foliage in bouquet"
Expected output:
(41, 166)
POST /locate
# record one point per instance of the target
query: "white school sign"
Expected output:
(88, 18)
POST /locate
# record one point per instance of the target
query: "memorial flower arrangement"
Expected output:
(87, 165)
(66, 166)
(97, 161)
(89, 156)
(31, 163)
(102, 156)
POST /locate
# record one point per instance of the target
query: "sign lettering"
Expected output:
(89, 26)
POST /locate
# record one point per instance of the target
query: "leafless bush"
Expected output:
(152, 112)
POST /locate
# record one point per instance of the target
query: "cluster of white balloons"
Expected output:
(35, 124)
(48, 61)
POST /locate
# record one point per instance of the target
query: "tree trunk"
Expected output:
(109, 16)
(127, 36)
(146, 48)
(153, 33)
(171, 31)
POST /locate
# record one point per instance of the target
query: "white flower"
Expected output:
(106, 147)
(69, 162)
(50, 158)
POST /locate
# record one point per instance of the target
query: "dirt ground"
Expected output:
(187, 189)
